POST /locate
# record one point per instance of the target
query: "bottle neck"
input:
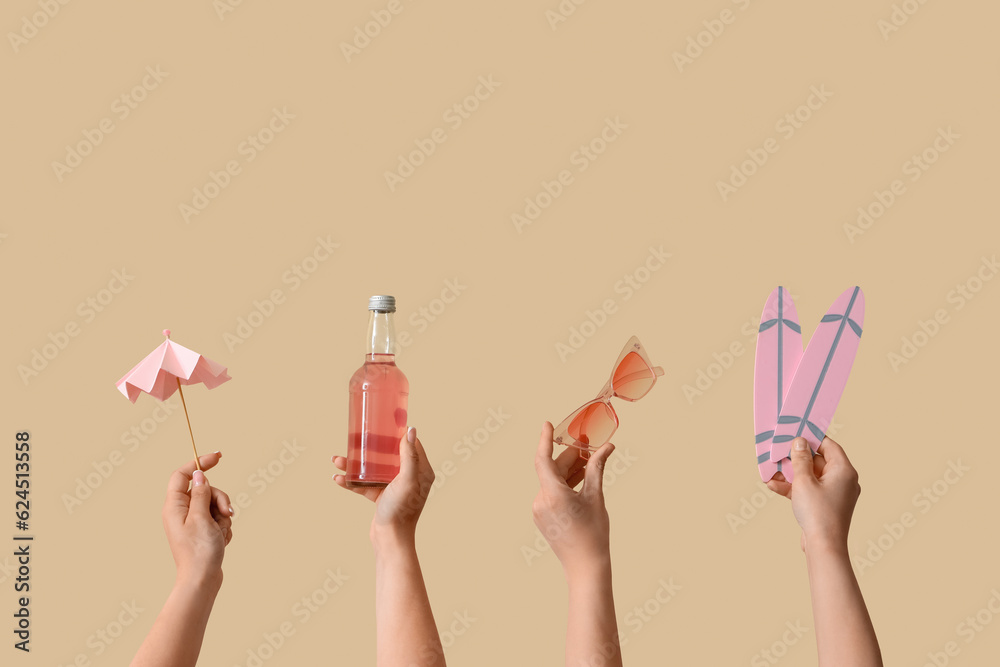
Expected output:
(381, 335)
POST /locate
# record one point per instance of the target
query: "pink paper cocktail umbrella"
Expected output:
(165, 369)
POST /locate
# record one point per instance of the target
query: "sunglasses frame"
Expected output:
(560, 434)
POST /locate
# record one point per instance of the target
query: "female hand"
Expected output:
(398, 505)
(198, 521)
(824, 493)
(575, 523)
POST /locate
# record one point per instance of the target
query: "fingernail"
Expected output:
(800, 444)
(199, 478)
(411, 435)
(230, 510)
(219, 452)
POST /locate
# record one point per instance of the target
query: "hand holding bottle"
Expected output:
(405, 631)
(398, 505)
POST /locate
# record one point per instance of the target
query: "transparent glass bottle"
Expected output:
(377, 411)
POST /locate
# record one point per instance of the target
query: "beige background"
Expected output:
(690, 462)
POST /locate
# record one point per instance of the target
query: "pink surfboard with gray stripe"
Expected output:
(779, 350)
(821, 377)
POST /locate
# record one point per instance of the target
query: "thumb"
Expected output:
(201, 496)
(593, 484)
(802, 461)
(408, 456)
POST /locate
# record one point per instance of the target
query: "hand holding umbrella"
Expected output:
(165, 369)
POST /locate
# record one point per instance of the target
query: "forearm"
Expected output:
(592, 629)
(176, 636)
(404, 623)
(845, 636)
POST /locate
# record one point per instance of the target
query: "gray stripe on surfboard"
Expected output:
(781, 348)
(826, 365)
(817, 431)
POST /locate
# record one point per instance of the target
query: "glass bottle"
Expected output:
(377, 410)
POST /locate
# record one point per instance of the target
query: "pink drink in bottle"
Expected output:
(376, 420)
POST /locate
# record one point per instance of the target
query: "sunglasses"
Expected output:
(592, 424)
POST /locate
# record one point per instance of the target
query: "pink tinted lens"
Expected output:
(593, 424)
(633, 378)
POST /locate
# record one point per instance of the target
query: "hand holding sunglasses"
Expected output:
(592, 424)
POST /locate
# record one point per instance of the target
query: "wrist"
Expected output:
(826, 547)
(200, 584)
(594, 568)
(387, 538)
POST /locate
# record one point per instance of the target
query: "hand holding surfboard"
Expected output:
(796, 393)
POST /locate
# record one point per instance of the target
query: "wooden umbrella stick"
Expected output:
(196, 462)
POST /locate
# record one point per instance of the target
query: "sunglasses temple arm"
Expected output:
(658, 371)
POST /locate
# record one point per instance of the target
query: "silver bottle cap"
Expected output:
(382, 303)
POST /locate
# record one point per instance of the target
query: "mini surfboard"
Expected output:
(819, 380)
(779, 350)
